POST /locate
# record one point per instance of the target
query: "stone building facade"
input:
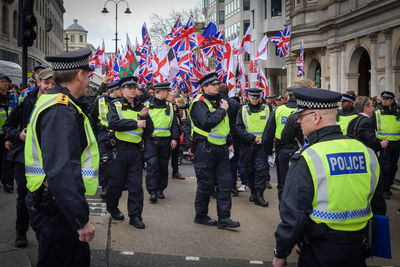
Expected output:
(75, 37)
(49, 29)
(348, 44)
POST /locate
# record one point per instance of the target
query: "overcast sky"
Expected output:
(88, 13)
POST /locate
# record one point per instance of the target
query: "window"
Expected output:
(221, 17)
(15, 24)
(72, 38)
(252, 17)
(81, 38)
(311, 1)
(205, 3)
(265, 9)
(276, 51)
(221, 1)
(246, 24)
(296, 2)
(276, 8)
(246, 4)
(4, 28)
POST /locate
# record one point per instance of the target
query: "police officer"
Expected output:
(274, 129)
(15, 129)
(319, 207)
(158, 146)
(251, 121)
(99, 122)
(210, 129)
(128, 118)
(61, 165)
(346, 112)
(363, 130)
(387, 121)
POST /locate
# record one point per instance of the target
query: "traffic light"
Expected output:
(27, 23)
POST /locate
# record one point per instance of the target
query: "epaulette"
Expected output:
(297, 154)
(62, 99)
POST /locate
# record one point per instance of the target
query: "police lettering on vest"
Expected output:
(346, 163)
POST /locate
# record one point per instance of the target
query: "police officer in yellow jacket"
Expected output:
(158, 146)
(98, 120)
(346, 112)
(329, 186)
(251, 122)
(129, 120)
(387, 121)
(61, 165)
(210, 130)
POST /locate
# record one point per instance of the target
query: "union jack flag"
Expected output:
(145, 72)
(185, 40)
(175, 32)
(213, 45)
(282, 40)
(300, 62)
(114, 73)
(262, 82)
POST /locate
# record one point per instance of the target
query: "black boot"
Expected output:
(227, 223)
(20, 240)
(153, 197)
(260, 200)
(252, 197)
(160, 194)
(137, 222)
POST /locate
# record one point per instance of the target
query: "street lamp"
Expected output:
(105, 11)
(66, 42)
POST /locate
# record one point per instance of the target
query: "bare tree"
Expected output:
(161, 26)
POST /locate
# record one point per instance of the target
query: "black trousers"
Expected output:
(283, 156)
(174, 158)
(156, 155)
(388, 162)
(101, 137)
(6, 166)
(59, 244)
(126, 169)
(332, 253)
(22, 221)
(255, 162)
(211, 165)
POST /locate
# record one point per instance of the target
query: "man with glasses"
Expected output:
(387, 121)
(320, 207)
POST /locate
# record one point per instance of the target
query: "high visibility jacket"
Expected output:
(345, 174)
(103, 111)
(218, 134)
(281, 114)
(3, 118)
(255, 122)
(344, 121)
(133, 136)
(33, 154)
(162, 119)
(388, 127)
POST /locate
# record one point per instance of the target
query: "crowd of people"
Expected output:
(57, 143)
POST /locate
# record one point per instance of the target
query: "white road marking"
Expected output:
(128, 253)
(190, 258)
(256, 262)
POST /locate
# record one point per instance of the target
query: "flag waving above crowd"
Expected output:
(185, 56)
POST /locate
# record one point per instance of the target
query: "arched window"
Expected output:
(15, 24)
(4, 22)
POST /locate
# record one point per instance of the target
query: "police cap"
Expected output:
(162, 86)
(40, 67)
(211, 78)
(78, 59)
(312, 98)
(348, 98)
(387, 94)
(130, 81)
(254, 92)
(113, 86)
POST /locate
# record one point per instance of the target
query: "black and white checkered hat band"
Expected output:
(128, 84)
(307, 104)
(70, 65)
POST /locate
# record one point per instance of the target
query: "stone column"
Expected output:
(342, 70)
(333, 65)
(291, 69)
(388, 60)
(324, 69)
(374, 58)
